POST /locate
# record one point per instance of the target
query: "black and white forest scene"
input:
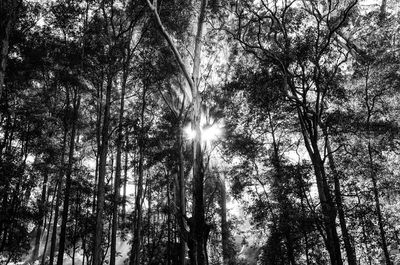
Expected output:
(199, 132)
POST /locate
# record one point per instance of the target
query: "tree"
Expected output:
(9, 12)
(197, 227)
(304, 80)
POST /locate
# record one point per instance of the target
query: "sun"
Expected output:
(209, 133)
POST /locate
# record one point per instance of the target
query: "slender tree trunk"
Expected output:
(151, 231)
(383, 14)
(168, 222)
(137, 237)
(8, 13)
(224, 224)
(78, 210)
(328, 211)
(282, 199)
(310, 127)
(98, 138)
(125, 180)
(289, 247)
(378, 208)
(42, 211)
(58, 196)
(180, 196)
(48, 228)
(305, 237)
(350, 252)
(61, 248)
(364, 233)
(97, 250)
(373, 171)
(117, 182)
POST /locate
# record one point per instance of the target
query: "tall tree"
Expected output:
(8, 12)
(197, 242)
(302, 75)
(68, 181)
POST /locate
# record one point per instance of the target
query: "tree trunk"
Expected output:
(383, 14)
(309, 127)
(8, 13)
(99, 110)
(180, 197)
(48, 229)
(58, 195)
(61, 248)
(198, 227)
(117, 182)
(135, 252)
(350, 252)
(372, 169)
(364, 233)
(125, 180)
(42, 211)
(224, 225)
(97, 250)
(78, 210)
(328, 211)
(168, 221)
(378, 208)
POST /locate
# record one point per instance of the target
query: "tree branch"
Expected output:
(171, 44)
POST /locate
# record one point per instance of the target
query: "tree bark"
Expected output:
(58, 194)
(135, 252)
(198, 229)
(197, 226)
(42, 211)
(125, 180)
(117, 182)
(378, 208)
(350, 252)
(8, 13)
(61, 248)
(383, 13)
(97, 250)
(48, 228)
(226, 258)
(180, 197)
(372, 169)
(310, 127)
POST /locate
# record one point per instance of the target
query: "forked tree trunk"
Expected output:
(350, 252)
(309, 126)
(198, 229)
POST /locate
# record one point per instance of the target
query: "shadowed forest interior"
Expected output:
(200, 132)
